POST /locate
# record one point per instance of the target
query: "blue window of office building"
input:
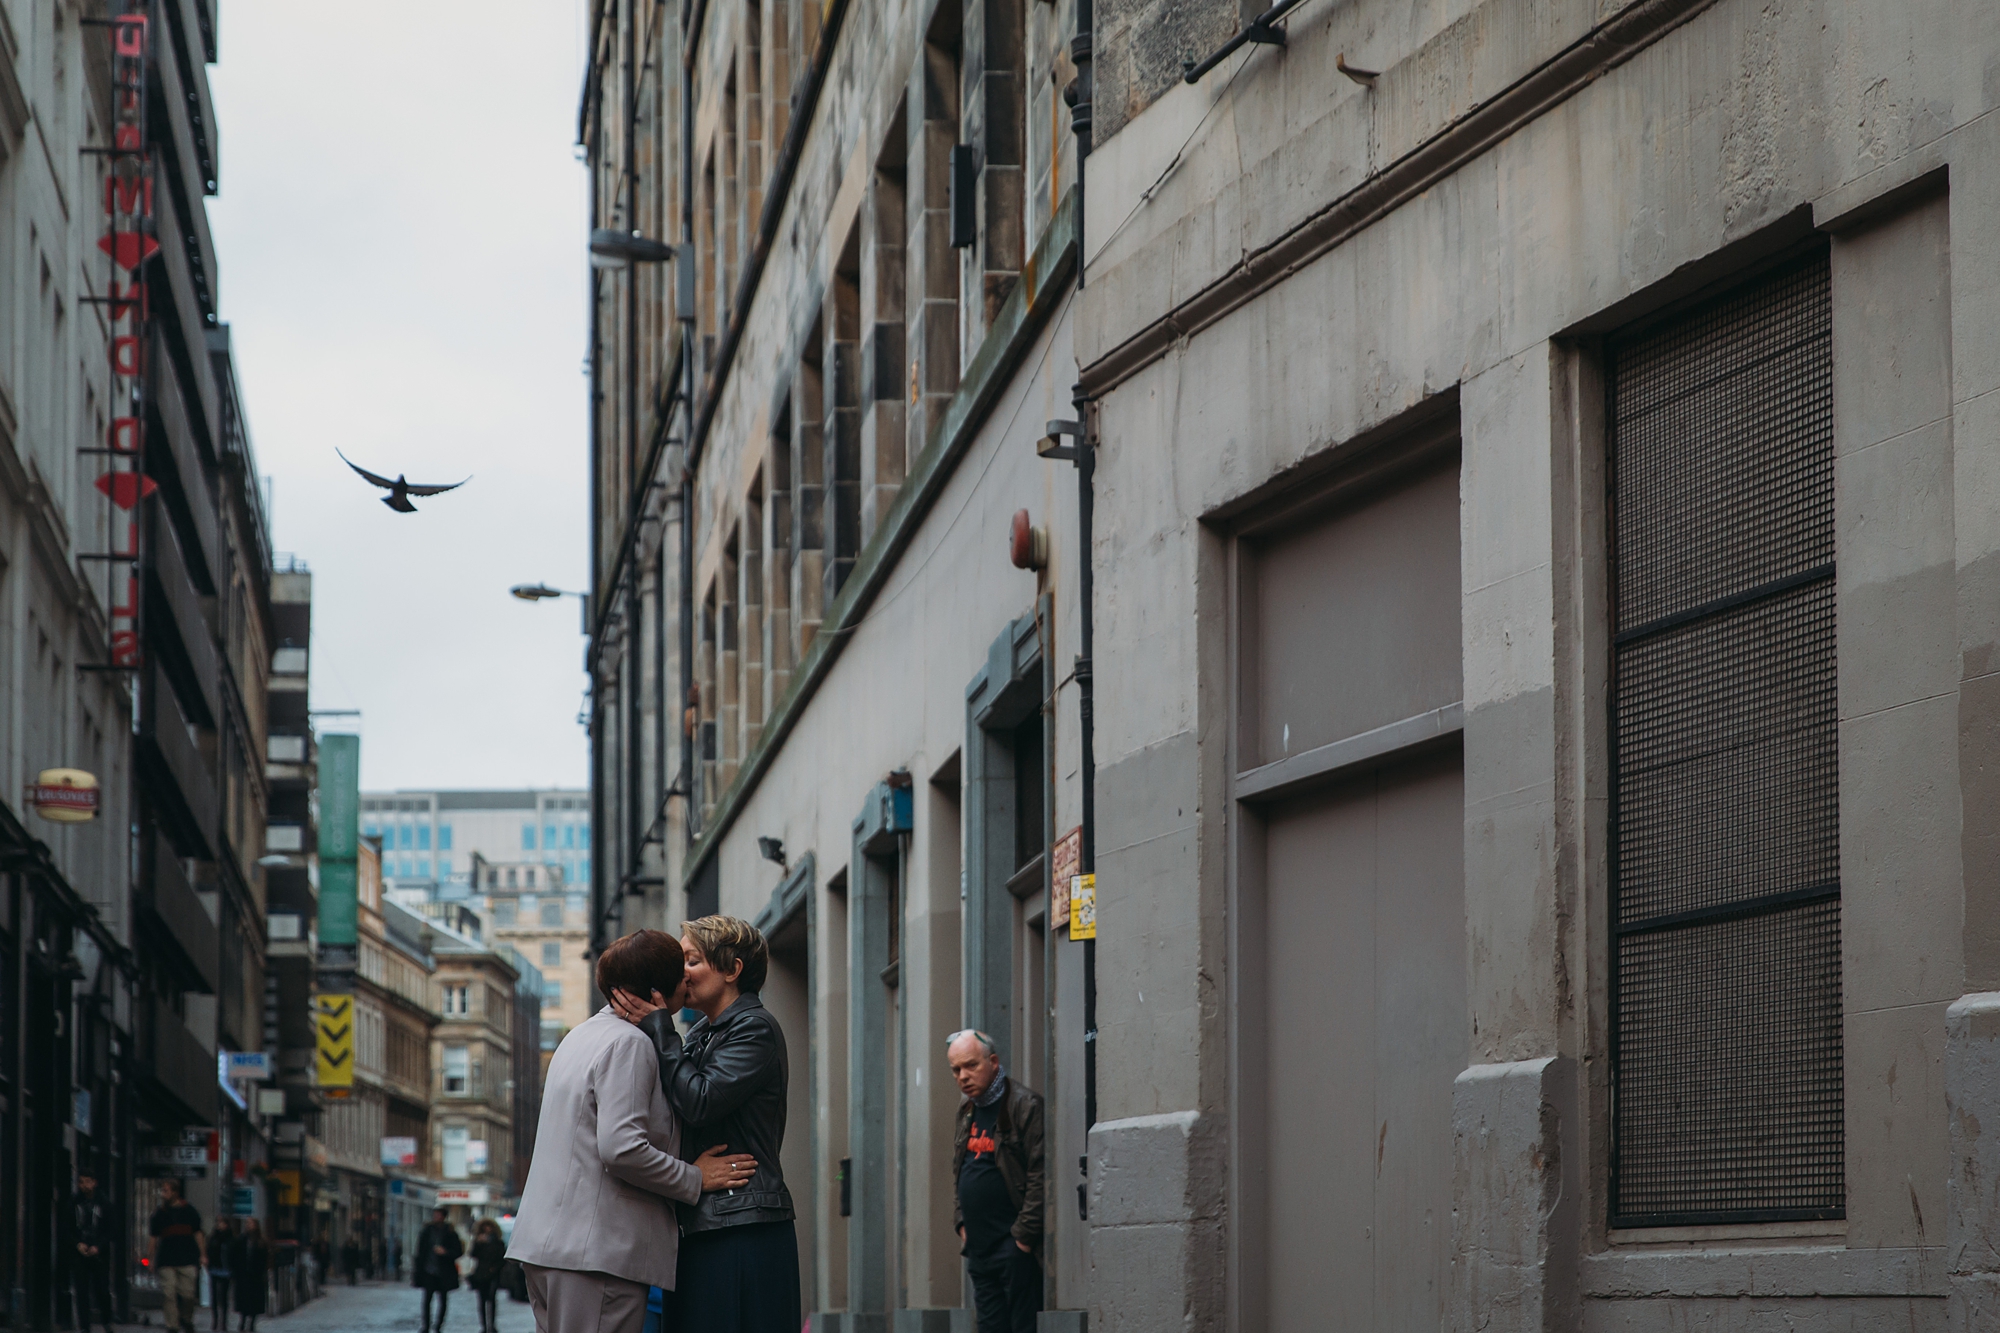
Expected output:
(409, 867)
(569, 835)
(549, 836)
(527, 837)
(423, 837)
(403, 837)
(583, 835)
(444, 837)
(424, 866)
(584, 866)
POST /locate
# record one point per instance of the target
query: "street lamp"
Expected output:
(612, 248)
(536, 592)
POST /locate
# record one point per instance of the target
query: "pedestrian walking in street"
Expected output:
(997, 1162)
(90, 1232)
(595, 1229)
(220, 1242)
(250, 1273)
(739, 1260)
(434, 1267)
(489, 1257)
(350, 1256)
(176, 1253)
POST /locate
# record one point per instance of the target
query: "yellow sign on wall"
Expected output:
(288, 1188)
(334, 1026)
(1083, 907)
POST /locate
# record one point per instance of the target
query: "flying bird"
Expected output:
(399, 490)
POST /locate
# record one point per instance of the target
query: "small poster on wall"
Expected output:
(1062, 868)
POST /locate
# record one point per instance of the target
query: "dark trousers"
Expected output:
(89, 1282)
(489, 1307)
(443, 1300)
(218, 1299)
(739, 1280)
(1006, 1297)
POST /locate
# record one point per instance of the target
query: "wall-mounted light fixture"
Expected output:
(612, 248)
(772, 849)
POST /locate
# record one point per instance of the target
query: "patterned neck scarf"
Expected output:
(994, 1090)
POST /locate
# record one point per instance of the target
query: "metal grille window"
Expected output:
(1726, 881)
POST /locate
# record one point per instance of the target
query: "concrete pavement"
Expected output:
(373, 1307)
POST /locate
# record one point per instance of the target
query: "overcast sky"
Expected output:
(401, 235)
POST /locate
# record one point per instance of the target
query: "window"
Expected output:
(527, 837)
(551, 954)
(457, 1074)
(569, 835)
(585, 865)
(455, 1139)
(552, 912)
(510, 878)
(423, 837)
(1725, 908)
(576, 902)
(552, 994)
(457, 1001)
(583, 835)
(503, 912)
(424, 867)
(549, 836)
(403, 837)
(444, 837)
(492, 879)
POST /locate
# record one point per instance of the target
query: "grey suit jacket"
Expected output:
(606, 1161)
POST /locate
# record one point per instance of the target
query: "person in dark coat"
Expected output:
(489, 1257)
(249, 1270)
(92, 1235)
(434, 1267)
(220, 1242)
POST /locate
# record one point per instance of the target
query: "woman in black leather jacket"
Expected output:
(739, 1259)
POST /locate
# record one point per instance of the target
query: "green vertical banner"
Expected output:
(339, 837)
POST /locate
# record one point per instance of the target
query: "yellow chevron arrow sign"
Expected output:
(335, 1031)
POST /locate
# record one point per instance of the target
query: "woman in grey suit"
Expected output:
(595, 1226)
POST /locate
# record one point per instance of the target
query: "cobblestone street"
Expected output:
(373, 1307)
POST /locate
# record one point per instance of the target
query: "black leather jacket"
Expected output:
(727, 1084)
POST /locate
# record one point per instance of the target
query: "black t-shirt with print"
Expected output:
(177, 1225)
(982, 1192)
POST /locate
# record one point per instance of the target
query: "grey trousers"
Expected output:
(571, 1302)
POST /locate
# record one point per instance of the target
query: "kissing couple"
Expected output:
(656, 1159)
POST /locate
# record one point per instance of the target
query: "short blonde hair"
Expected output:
(723, 940)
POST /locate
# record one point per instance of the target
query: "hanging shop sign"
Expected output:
(448, 1195)
(334, 1029)
(248, 1066)
(64, 795)
(399, 1150)
(130, 239)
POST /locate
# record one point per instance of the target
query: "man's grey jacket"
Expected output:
(606, 1161)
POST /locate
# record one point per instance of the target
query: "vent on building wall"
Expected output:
(1727, 1078)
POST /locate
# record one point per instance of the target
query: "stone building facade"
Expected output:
(1538, 558)
(1545, 619)
(135, 642)
(826, 698)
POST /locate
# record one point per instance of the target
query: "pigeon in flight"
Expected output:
(399, 490)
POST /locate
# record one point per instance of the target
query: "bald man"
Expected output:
(1001, 1197)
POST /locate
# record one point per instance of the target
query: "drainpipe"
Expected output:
(684, 313)
(597, 826)
(1079, 98)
